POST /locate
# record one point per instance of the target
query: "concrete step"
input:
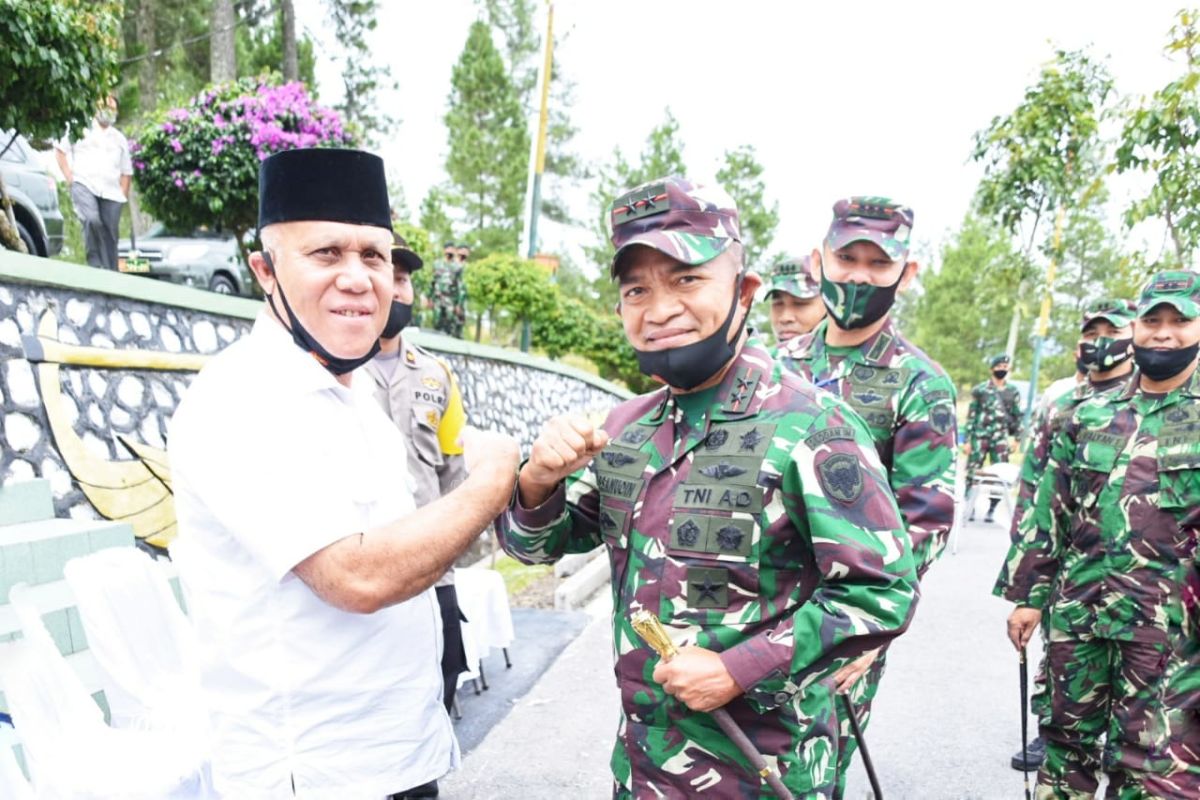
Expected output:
(27, 501)
(35, 552)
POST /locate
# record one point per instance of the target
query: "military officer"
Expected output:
(746, 509)
(904, 396)
(1117, 513)
(449, 290)
(795, 299)
(993, 418)
(1104, 354)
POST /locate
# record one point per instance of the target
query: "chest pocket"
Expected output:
(871, 392)
(715, 528)
(1096, 454)
(1178, 457)
(426, 419)
(620, 477)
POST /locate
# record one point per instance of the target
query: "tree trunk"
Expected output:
(147, 74)
(1174, 236)
(291, 65)
(222, 53)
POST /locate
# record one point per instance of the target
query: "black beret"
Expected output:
(323, 184)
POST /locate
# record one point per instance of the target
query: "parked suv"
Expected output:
(201, 258)
(34, 196)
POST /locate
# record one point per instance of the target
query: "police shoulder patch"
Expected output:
(841, 477)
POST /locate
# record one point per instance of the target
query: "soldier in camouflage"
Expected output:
(1117, 513)
(993, 418)
(1103, 355)
(905, 398)
(745, 508)
(795, 300)
(450, 290)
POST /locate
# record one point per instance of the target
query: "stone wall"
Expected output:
(501, 389)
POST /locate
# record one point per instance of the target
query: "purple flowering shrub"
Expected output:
(198, 165)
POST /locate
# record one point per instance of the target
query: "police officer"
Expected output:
(1104, 356)
(993, 418)
(1117, 512)
(904, 396)
(749, 511)
(795, 300)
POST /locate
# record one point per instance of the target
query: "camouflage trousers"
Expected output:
(994, 450)
(449, 319)
(1118, 691)
(862, 695)
(693, 758)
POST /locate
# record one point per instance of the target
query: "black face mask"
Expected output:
(857, 305)
(399, 315)
(692, 364)
(1160, 365)
(999, 374)
(1080, 366)
(1105, 353)
(305, 341)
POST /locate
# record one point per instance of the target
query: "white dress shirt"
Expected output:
(272, 460)
(98, 161)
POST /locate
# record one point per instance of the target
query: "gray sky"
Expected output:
(838, 98)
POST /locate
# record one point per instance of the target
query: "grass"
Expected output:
(518, 576)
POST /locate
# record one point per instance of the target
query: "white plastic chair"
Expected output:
(142, 643)
(70, 751)
(994, 481)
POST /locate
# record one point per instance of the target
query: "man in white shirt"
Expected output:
(306, 566)
(98, 170)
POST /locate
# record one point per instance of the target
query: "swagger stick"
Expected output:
(1025, 721)
(653, 633)
(856, 729)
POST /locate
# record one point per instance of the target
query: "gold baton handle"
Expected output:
(654, 634)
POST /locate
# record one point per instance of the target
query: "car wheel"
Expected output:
(27, 238)
(222, 284)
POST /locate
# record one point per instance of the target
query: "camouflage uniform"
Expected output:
(449, 298)
(907, 402)
(992, 418)
(754, 519)
(1117, 512)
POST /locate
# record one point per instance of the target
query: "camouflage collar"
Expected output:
(878, 351)
(1190, 387)
(740, 393)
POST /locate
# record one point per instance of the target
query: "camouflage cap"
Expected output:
(871, 219)
(1177, 288)
(792, 275)
(403, 255)
(689, 222)
(997, 360)
(1119, 312)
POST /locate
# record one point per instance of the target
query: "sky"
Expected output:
(868, 97)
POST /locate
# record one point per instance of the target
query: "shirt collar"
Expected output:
(292, 368)
(741, 391)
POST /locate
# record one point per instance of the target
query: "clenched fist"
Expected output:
(567, 443)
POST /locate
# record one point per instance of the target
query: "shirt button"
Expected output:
(781, 698)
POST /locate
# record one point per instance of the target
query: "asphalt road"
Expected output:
(946, 722)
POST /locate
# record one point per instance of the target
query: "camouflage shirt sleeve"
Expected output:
(1023, 538)
(1191, 601)
(867, 584)
(924, 463)
(1033, 559)
(567, 522)
(1014, 411)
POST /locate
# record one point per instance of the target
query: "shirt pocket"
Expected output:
(1178, 476)
(1093, 465)
(426, 420)
(711, 573)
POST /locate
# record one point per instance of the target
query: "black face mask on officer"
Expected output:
(305, 341)
(1161, 365)
(399, 315)
(999, 374)
(692, 364)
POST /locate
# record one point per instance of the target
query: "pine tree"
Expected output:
(742, 178)
(489, 146)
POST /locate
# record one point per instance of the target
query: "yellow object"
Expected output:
(653, 633)
(453, 420)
